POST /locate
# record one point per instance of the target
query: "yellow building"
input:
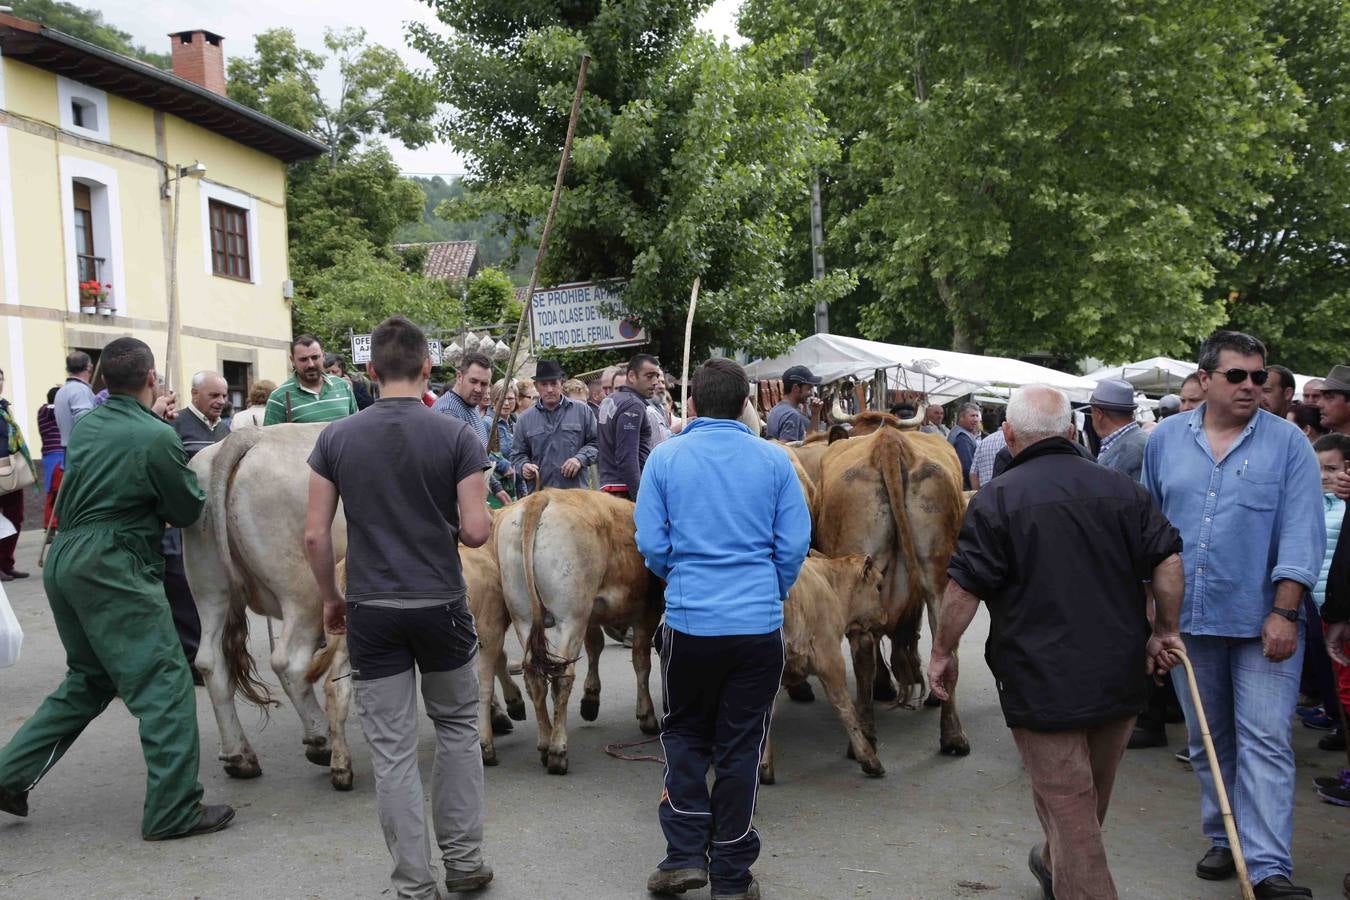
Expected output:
(93, 146)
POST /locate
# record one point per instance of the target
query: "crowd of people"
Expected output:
(1214, 530)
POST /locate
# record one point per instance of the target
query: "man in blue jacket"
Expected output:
(722, 519)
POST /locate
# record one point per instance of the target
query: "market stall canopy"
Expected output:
(1157, 375)
(943, 375)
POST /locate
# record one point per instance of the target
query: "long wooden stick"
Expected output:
(543, 242)
(1229, 825)
(170, 372)
(688, 336)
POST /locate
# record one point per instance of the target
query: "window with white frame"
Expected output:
(84, 110)
(229, 231)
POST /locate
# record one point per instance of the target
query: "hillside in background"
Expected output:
(494, 249)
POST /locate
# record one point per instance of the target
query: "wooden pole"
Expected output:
(543, 241)
(688, 336)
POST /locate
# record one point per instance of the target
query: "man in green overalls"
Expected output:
(126, 476)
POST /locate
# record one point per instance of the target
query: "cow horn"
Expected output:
(917, 420)
(837, 414)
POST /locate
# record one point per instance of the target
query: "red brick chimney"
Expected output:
(199, 57)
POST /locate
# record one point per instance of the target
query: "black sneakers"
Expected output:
(13, 802)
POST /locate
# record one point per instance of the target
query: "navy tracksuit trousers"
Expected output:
(718, 695)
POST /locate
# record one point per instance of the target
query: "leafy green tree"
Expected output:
(1040, 176)
(491, 298)
(687, 154)
(361, 289)
(1284, 274)
(87, 25)
(377, 94)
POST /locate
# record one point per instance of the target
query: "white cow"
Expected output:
(247, 552)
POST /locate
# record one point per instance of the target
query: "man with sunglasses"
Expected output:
(1242, 486)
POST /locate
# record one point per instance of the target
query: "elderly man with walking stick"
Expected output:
(1059, 549)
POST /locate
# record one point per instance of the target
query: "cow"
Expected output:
(247, 552)
(830, 597)
(570, 556)
(895, 497)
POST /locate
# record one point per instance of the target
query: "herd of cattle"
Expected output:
(560, 568)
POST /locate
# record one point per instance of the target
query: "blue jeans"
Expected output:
(1249, 704)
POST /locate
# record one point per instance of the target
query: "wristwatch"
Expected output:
(1290, 614)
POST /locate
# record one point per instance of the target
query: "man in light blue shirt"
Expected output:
(721, 517)
(76, 397)
(1242, 486)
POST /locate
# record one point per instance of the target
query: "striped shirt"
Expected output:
(293, 403)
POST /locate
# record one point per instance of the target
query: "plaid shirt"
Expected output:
(1115, 436)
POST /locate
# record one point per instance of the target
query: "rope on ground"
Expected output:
(615, 750)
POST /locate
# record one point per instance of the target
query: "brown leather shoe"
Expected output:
(676, 881)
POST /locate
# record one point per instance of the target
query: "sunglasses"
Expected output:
(1237, 376)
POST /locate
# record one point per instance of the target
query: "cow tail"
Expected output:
(892, 458)
(322, 660)
(323, 657)
(239, 661)
(539, 659)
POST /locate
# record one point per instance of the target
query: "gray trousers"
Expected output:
(388, 709)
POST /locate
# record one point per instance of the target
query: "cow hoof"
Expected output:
(319, 754)
(516, 709)
(543, 757)
(957, 746)
(648, 724)
(884, 689)
(501, 724)
(931, 701)
(341, 779)
(557, 764)
(801, 692)
(765, 775)
(243, 770)
(590, 707)
(489, 756)
(873, 768)
(848, 751)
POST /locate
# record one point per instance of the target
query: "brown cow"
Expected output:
(897, 498)
(571, 555)
(830, 596)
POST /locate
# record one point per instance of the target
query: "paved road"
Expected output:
(934, 827)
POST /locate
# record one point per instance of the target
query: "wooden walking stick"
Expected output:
(1229, 824)
(688, 333)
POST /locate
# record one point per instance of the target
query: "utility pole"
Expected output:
(818, 255)
(817, 239)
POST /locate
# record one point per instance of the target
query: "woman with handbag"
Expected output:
(16, 473)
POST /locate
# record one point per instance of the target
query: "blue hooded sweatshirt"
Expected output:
(722, 518)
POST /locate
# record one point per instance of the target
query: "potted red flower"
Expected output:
(90, 291)
(105, 303)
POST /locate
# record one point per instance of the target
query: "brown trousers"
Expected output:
(1071, 776)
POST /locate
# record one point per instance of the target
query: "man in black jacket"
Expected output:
(1059, 549)
(624, 434)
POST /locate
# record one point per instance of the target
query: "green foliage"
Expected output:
(87, 25)
(688, 155)
(360, 289)
(377, 94)
(364, 200)
(1039, 176)
(1285, 265)
(491, 298)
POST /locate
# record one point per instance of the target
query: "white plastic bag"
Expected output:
(11, 635)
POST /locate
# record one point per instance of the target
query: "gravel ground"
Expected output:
(934, 827)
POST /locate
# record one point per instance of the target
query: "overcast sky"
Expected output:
(150, 21)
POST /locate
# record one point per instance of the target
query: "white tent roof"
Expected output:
(1156, 375)
(942, 374)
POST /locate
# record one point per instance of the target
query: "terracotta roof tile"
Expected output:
(451, 260)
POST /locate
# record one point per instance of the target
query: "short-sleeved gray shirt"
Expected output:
(397, 466)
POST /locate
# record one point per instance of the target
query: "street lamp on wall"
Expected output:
(196, 170)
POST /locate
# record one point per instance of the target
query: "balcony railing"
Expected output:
(89, 268)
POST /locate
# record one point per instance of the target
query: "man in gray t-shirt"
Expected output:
(785, 421)
(411, 484)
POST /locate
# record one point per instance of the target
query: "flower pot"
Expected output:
(87, 307)
(105, 307)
